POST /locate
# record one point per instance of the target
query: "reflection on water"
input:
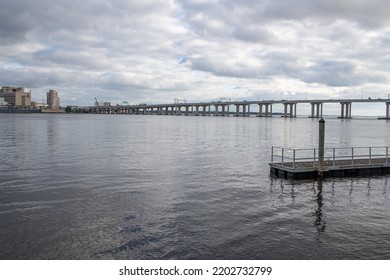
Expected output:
(330, 195)
(319, 221)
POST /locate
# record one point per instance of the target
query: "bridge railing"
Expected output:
(350, 156)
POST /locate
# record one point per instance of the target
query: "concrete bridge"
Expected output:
(242, 108)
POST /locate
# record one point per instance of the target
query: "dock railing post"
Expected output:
(282, 156)
(272, 154)
(314, 157)
(369, 158)
(294, 159)
(334, 157)
(352, 156)
(321, 147)
(387, 155)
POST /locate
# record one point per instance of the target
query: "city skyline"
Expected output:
(155, 51)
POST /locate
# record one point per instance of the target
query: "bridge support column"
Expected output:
(268, 110)
(204, 110)
(316, 110)
(346, 110)
(293, 110)
(223, 110)
(237, 110)
(196, 110)
(387, 110)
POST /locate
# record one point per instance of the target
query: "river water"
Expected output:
(181, 187)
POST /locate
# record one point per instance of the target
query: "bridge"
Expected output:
(242, 108)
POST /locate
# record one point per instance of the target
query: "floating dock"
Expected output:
(300, 164)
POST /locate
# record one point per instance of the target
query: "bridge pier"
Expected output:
(204, 110)
(346, 110)
(196, 113)
(268, 110)
(223, 110)
(216, 110)
(293, 109)
(387, 110)
(187, 110)
(316, 110)
(246, 110)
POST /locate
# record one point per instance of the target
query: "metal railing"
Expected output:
(308, 158)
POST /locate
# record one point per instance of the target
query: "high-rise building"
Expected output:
(16, 96)
(53, 101)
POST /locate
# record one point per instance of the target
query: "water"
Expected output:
(168, 187)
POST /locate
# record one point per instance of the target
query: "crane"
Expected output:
(96, 102)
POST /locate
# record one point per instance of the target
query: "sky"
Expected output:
(153, 51)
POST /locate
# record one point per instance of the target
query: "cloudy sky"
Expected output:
(153, 51)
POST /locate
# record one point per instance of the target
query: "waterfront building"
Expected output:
(53, 101)
(16, 96)
(35, 104)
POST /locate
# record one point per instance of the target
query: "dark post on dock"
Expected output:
(321, 147)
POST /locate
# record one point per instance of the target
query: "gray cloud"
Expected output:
(158, 50)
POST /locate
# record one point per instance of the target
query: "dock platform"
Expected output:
(300, 164)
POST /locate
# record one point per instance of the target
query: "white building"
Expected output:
(2, 102)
